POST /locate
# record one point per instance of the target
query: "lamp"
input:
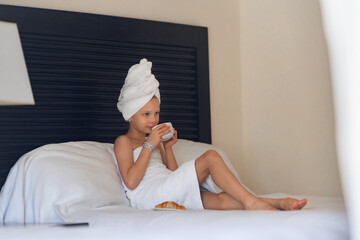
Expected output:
(15, 88)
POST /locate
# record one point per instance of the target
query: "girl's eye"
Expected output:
(157, 113)
(146, 114)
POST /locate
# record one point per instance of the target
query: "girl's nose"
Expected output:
(152, 118)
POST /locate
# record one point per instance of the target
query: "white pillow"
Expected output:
(51, 182)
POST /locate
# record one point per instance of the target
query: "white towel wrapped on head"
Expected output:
(139, 88)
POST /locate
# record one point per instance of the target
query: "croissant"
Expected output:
(170, 205)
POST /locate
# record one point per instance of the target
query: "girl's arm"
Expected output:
(169, 157)
(131, 173)
(171, 161)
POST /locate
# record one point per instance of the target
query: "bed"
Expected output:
(57, 166)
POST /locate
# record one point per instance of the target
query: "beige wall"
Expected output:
(287, 109)
(276, 124)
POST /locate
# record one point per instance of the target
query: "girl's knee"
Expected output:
(213, 156)
(206, 161)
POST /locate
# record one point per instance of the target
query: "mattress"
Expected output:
(322, 218)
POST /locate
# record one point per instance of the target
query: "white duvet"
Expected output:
(78, 182)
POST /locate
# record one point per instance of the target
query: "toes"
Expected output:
(303, 202)
(299, 204)
(295, 206)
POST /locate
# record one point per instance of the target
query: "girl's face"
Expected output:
(147, 117)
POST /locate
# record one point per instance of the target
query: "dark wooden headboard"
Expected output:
(77, 63)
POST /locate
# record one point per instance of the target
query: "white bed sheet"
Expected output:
(323, 218)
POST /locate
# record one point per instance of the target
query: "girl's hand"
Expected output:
(155, 135)
(169, 143)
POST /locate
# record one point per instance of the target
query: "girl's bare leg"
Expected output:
(211, 163)
(223, 201)
(220, 201)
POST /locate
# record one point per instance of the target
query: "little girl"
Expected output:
(149, 171)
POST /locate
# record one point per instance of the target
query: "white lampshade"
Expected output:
(15, 88)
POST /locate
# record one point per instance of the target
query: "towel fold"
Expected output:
(139, 88)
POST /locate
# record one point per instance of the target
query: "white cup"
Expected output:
(168, 135)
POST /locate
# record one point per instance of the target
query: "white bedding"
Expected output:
(78, 182)
(324, 218)
(47, 184)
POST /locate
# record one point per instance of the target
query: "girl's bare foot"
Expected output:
(258, 204)
(292, 203)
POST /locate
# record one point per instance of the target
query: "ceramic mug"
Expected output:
(169, 135)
